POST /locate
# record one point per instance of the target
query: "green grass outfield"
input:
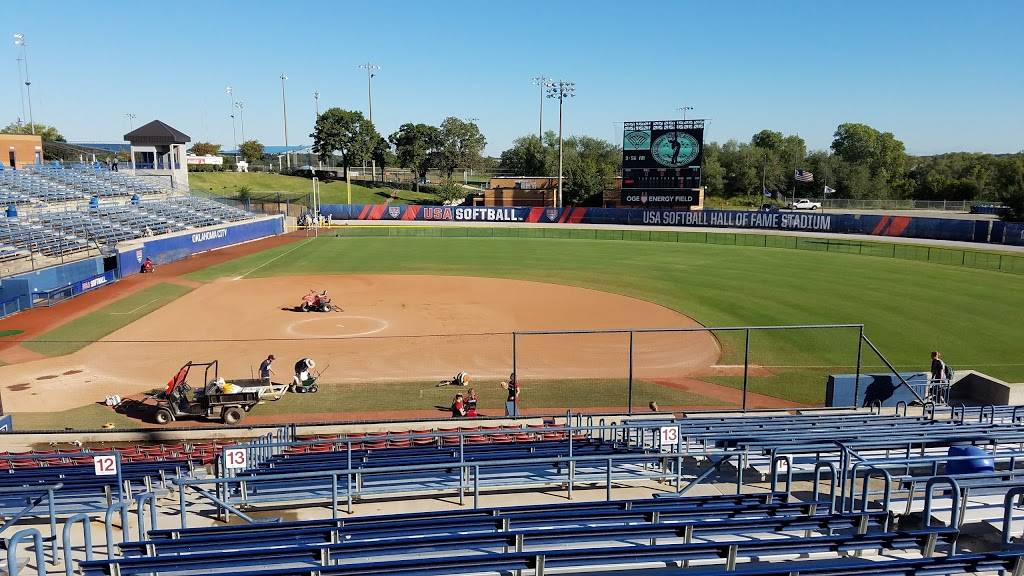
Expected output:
(79, 332)
(227, 184)
(909, 308)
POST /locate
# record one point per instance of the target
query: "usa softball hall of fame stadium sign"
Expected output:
(661, 162)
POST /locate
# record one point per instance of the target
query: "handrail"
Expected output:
(86, 520)
(925, 411)
(904, 405)
(818, 467)
(108, 525)
(954, 513)
(886, 489)
(789, 473)
(960, 409)
(140, 501)
(991, 416)
(12, 550)
(1008, 512)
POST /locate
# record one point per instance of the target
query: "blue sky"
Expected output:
(942, 76)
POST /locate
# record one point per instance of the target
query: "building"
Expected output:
(521, 191)
(159, 150)
(20, 150)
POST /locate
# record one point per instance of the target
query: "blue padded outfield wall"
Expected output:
(842, 390)
(870, 224)
(25, 286)
(175, 247)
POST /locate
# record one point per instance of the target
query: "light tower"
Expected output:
(560, 90)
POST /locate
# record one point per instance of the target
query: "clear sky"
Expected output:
(942, 76)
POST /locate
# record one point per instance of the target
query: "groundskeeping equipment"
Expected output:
(215, 399)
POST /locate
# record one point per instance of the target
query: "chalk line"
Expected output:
(137, 308)
(301, 244)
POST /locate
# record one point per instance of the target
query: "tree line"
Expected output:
(861, 162)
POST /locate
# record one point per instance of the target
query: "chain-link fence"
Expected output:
(361, 376)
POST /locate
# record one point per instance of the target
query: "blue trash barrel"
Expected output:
(12, 211)
(981, 463)
(94, 202)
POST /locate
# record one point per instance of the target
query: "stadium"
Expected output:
(380, 369)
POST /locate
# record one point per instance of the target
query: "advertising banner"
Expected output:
(869, 224)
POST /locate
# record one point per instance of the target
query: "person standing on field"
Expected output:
(266, 369)
(512, 400)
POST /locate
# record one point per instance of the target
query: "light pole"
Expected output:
(231, 108)
(19, 40)
(284, 109)
(131, 117)
(561, 90)
(241, 117)
(541, 81)
(684, 110)
(370, 73)
(370, 69)
(21, 90)
(316, 103)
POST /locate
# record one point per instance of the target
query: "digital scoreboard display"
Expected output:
(661, 162)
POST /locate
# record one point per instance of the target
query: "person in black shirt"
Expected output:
(938, 369)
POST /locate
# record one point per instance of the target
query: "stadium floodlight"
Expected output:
(231, 109)
(131, 117)
(316, 103)
(19, 40)
(684, 110)
(284, 109)
(543, 82)
(371, 70)
(560, 90)
(241, 118)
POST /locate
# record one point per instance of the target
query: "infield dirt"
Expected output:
(393, 327)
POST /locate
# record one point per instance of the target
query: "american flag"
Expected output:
(803, 176)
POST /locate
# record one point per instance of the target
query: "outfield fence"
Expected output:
(977, 259)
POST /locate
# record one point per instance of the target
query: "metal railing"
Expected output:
(889, 204)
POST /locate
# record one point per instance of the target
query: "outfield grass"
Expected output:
(387, 396)
(909, 308)
(90, 327)
(228, 183)
(89, 417)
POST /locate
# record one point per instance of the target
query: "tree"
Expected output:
(347, 132)
(450, 192)
(251, 150)
(767, 139)
(383, 155)
(461, 145)
(526, 157)
(590, 165)
(47, 133)
(1010, 182)
(205, 149)
(415, 147)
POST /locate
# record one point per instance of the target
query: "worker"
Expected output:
(302, 368)
(266, 369)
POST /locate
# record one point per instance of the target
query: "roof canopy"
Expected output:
(156, 132)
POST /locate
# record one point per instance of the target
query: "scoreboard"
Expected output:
(661, 162)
